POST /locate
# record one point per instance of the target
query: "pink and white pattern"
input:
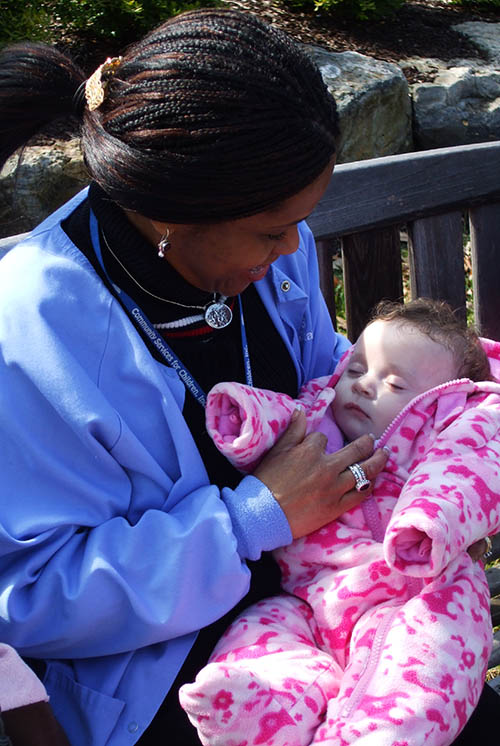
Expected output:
(378, 644)
(244, 422)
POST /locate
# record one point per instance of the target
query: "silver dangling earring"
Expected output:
(164, 244)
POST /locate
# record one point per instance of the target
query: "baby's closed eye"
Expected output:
(396, 384)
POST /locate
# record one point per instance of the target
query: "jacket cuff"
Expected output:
(258, 522)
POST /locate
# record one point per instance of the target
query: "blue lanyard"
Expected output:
(158, 341)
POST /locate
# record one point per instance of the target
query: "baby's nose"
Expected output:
(364, 385)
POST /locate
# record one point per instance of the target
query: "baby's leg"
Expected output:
(415, 673)
(266, 682)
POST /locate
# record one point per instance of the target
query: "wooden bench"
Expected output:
(424, 203)
(430, 196)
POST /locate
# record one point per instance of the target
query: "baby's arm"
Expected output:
(245, 422)
(452, 499)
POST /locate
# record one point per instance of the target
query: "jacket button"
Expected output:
(285, 286)
(132, 727)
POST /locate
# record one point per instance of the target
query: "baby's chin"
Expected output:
(354, 427)
(354, 433)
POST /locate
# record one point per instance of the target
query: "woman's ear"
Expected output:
(151, 229)
(159, 227)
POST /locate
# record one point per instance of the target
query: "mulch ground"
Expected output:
(421, 28)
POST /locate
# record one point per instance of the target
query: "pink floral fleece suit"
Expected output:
(383, 635)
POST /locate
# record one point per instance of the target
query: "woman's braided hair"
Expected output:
(213, 116)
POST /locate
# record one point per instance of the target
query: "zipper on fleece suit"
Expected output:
(372, 517)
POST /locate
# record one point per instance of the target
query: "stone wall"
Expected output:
(36, 181)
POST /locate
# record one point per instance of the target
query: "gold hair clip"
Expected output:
(95, 86)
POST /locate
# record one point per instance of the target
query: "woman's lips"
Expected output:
(257, 273)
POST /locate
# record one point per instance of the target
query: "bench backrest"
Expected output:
(434, 196)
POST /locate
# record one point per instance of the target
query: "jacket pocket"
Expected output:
(87, 716)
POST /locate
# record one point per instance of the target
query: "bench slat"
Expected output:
(398, 188)
(437, 259)
(495, 684)
(493, 578)
(325, 251)
(494, 659)
(495, 547)
(495, 611)
(485, 250)
(372, 271)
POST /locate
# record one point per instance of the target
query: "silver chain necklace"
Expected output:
(216, 313)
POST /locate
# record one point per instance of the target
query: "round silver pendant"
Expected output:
(218, 315)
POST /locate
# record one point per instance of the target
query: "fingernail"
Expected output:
(386, 450)
(296, 413)
(372, 436)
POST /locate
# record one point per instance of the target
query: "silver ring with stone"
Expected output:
(362, 483)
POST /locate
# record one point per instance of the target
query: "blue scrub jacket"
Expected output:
(114, 548)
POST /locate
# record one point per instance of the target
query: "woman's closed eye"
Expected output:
(276, 236)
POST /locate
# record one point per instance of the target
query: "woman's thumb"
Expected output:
(296, 430)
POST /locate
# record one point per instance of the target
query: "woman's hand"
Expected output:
(312, 487)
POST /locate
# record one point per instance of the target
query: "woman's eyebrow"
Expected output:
(288, 225)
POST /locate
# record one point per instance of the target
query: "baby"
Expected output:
(383, 635)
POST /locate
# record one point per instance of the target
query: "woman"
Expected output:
(123, 532)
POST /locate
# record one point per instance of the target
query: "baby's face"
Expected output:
(391, 364)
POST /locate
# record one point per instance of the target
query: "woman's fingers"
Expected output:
(359, 452)
(314, 488)
(295, 432)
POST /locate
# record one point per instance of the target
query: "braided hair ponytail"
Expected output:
(213, 116)
(37, 86)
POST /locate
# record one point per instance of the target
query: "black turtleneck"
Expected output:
(211, 357)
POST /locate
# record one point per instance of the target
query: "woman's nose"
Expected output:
(290, 241)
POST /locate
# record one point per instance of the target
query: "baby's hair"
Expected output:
(437, 320)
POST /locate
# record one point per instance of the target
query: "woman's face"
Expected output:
(227, 257)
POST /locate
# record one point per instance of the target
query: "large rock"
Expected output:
(459, 107)
(486, 36)
(373, 103)
(32, 187)
(460, 102)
